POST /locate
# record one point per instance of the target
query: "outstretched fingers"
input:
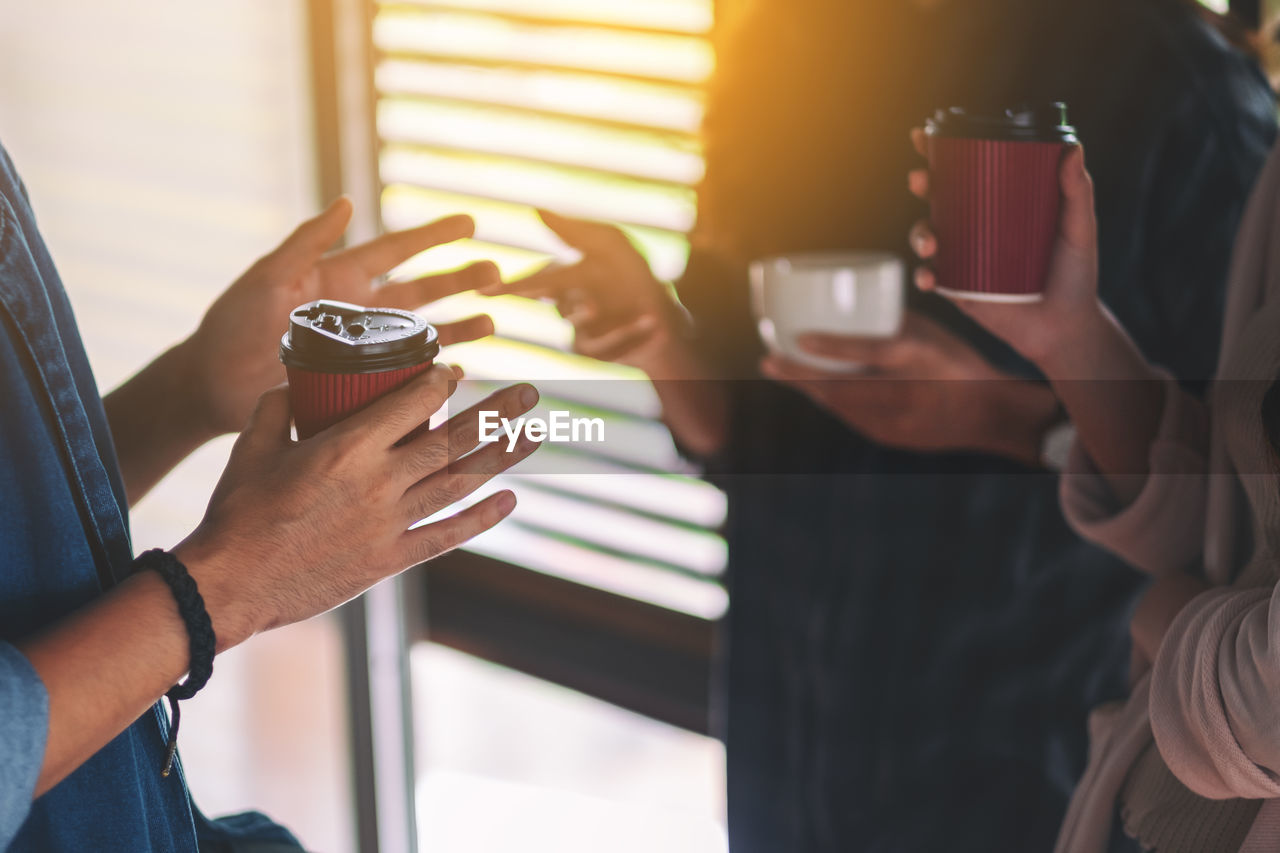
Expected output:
(310, 240)
(467, 329)
(384, 252)
(430, 452)
(550, 281)
(432, 540)
(585, 234)
(414, 293)
(450, 485)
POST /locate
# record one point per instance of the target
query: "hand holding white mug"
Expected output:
(924, 390)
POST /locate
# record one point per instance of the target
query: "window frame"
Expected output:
(634, 654)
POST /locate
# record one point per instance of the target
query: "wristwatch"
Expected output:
(1055, 444)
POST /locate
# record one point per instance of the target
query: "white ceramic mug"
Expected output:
(853, 293)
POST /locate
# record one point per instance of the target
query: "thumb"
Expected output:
(1078, 224)
(268, 427)
(311, 239)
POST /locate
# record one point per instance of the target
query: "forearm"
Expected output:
(103, 667)
(106, 664)
(1114, 398)
(154, 423)
(695, 406)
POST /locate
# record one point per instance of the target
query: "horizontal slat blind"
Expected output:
(589, 108)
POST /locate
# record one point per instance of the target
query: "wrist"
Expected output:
(1069, 351)
(234, 618)
(1017, 418)
(671, 360)
(146, 593)
(667, 355)
(1082, 349)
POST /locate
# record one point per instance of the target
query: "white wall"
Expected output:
(165, 145)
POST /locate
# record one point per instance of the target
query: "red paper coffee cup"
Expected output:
(342, 357)
(996, 199)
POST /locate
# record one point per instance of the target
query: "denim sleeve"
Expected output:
(24, 724)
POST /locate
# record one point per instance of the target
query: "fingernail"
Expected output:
(528, 396)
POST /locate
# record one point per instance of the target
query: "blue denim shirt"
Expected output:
(64, 538)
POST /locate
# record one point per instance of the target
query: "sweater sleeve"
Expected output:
(1162, 530)
(24, 724)
(1213, 694)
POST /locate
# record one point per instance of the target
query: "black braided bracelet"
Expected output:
(200, 635)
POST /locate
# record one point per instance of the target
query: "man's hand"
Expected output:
(295, 528)
(619, 311)
(232, 358)
(924, 390)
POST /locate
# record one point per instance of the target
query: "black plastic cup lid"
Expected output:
(1047, 123)
(337, 337)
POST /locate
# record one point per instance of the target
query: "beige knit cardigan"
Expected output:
(1212, 699)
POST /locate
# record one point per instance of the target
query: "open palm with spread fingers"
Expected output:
(232, 356)
(620, 312)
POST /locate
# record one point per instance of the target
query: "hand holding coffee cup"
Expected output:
(341, 357)
(850, 293)
(296, 528)
(1041, 316)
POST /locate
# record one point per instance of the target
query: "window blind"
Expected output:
(589, 108)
